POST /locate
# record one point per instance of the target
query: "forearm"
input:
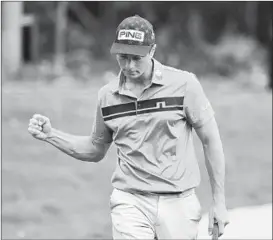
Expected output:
(215, 163)
(79, 147)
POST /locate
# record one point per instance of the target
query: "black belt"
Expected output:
(173, 193)
(167, 193)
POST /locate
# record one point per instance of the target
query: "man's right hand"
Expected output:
(39, 127)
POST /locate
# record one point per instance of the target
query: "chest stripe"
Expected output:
(142, 107)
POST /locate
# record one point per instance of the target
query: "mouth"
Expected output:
(131, 72)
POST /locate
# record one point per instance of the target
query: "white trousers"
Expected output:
(150, 216)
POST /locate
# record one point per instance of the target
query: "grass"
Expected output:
(48, 195)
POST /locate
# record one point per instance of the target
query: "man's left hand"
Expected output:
(218, 214)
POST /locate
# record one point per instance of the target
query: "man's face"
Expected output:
(133, 66)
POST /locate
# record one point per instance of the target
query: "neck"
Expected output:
(146, 77)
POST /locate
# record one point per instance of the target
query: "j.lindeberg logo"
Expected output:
(131, 35)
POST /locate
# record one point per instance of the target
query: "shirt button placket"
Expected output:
(138, 105)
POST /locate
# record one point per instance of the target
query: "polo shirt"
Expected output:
(153, 133)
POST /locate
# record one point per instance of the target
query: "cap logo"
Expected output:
(131, 35)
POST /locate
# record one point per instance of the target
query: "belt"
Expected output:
(188, 191)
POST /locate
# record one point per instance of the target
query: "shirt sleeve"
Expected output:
(100, 134)
(198, 109)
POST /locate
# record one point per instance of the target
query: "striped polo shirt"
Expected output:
(153, 133)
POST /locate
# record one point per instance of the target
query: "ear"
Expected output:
(152, 51)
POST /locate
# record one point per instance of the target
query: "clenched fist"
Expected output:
(39, 127)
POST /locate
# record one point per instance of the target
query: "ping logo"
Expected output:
(131, 35)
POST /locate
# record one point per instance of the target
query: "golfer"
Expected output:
(149, 111)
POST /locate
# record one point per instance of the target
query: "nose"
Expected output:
(129, 64)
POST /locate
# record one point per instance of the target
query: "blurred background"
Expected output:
(55, 57)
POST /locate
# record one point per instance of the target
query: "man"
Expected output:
(149, 112)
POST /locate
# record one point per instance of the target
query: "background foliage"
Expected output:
(189, 35)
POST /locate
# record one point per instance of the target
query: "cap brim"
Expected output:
(119, 48)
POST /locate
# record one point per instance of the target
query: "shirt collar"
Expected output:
(157, 77)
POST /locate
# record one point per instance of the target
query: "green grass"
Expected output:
(46, 194)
